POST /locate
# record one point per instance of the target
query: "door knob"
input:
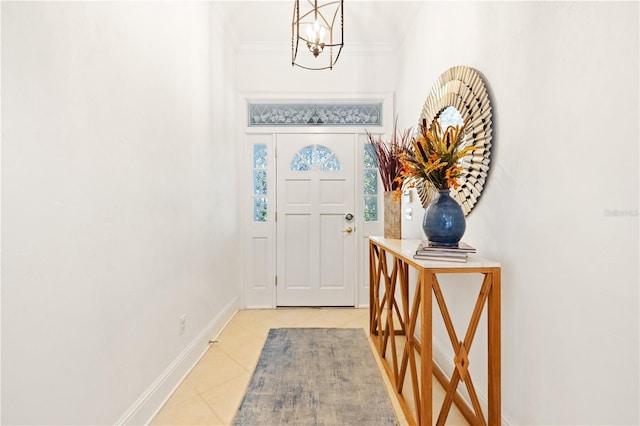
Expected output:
(348, 230)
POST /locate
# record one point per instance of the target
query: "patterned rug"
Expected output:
(316, 376)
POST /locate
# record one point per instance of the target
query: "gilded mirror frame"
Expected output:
(462, 87)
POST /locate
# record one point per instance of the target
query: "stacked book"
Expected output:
(429, 251)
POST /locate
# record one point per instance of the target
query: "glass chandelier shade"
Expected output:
(316, 33)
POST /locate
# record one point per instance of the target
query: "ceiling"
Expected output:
(368, 24)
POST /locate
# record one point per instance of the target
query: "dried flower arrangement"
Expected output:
(388, 157)
(435, 155)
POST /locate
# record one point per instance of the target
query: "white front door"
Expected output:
(316, 239)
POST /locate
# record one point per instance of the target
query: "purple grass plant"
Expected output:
(387, 157)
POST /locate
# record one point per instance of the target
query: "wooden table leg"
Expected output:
(493, 321)
(425, 415)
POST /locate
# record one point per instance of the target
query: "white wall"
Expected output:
(118, 205)
(267, 70)
(563, 80)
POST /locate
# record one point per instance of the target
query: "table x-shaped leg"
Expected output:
(380, 272)
(411, 343)
(461, 349)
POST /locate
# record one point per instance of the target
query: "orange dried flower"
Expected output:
(435, 155)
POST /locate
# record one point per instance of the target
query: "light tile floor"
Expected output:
(211, 393)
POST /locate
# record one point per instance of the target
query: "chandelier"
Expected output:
(316, 34)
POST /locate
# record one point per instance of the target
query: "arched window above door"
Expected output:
(316, 158)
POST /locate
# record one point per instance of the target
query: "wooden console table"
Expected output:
(396, 319)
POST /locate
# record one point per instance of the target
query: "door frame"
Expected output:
(258, 280)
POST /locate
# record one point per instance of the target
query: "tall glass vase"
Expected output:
(444, 223)
(392, 218)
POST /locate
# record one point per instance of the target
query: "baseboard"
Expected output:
(444, 361)
(145, 408)
(259, 307)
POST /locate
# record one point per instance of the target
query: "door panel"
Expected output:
(315, 190)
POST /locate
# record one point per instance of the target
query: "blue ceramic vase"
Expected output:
(444, 223)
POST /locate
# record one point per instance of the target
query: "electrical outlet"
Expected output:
(183, 323)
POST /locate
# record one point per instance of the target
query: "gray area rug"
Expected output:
(316, 376)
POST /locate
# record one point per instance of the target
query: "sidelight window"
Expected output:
(259, 183)
(370, 180)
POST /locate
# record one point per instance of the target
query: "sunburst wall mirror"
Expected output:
(459, 97)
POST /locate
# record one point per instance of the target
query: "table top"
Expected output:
(406, 248)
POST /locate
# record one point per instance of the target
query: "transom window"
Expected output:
(315, 114)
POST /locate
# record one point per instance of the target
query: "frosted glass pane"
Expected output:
(315, 157)
(369, 157)
(370, 209)
(259, 209)
(307, 154)
(331, 113)
(259, 182)
(332, 165)
(298, 164)
(371, 182)
(322, 153)
(259, 156)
